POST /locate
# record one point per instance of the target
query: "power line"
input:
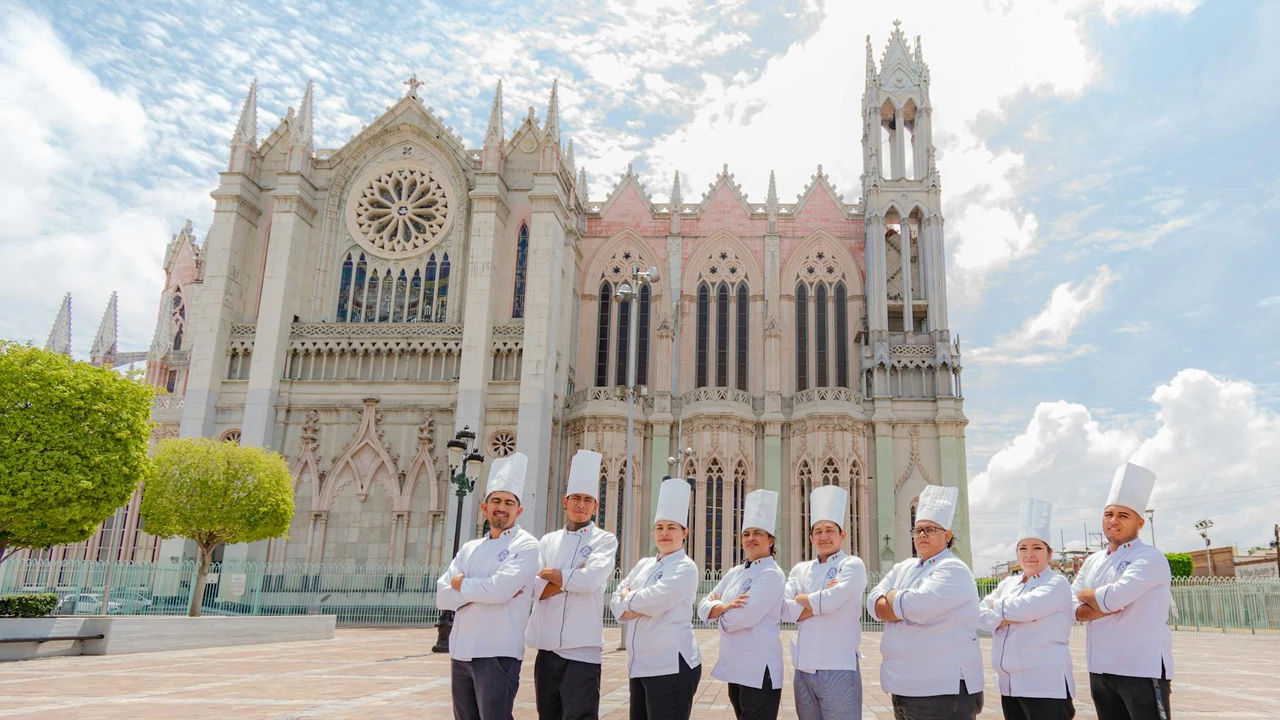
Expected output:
(1180, 498)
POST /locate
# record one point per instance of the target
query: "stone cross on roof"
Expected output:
(414, 83)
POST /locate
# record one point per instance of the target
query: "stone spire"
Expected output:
(60, 335)
(495, 135)
(301, 143)
(103, 351)
(553, 112)
(771, 203)
(677, 200)
(568, 157)
(244, 142)
(582, 184)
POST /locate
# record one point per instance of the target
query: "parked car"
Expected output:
(85, 604)
(129, 602)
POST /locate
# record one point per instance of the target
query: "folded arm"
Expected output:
(850, 582)
(880, 591)
(1143, 574)
(712, 599)
(1031, 605)
(593, 575)
(947, 587)
(765, 591)
(511, 577)
(446, 597)
(677, 585)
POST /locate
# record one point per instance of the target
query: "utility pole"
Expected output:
(1277, 550)
(1151, 515)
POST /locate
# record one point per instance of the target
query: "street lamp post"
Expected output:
(1151, 515)
(465, 461)
(629, 292)
(1203, 526)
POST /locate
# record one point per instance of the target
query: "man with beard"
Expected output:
(567, 626)
(1123, 594)
(489, 585)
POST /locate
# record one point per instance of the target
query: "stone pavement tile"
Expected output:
(387, 674)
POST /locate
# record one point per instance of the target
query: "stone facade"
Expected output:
(353, 308)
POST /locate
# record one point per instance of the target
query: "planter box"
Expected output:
(135, 634)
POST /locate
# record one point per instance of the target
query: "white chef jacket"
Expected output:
(1032, 657)
(750, 641)
(1133, 583)
(663, 592)
(829, 640)
(935, 645)
(492, 607)
(571, 623)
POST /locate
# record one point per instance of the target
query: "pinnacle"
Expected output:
(247, 126)
(495, 133)
(553, 111)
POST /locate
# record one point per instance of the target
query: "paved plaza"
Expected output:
(391, 674)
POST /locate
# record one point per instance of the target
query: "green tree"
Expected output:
(73, 446)
(214, 493)
(1179, 564)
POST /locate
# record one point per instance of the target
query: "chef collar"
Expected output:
(1125, 546)
(501, 535)
(582, 530)
(933, 560)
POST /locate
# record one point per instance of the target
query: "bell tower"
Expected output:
(912, 366)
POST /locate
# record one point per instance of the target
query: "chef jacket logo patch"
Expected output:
(746, 585)
(832, 572)
(1122, 566)
(585, 552)
(502, 556)
(658, 576)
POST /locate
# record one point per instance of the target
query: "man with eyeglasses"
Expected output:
(932, 663)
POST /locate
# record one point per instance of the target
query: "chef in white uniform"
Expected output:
(932, 663)
(824, 597)
(654, 602)
(489, 585)
(746, 606)
(567, 626)
(1029, 617)
(1123, 593)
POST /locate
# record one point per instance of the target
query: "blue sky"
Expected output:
(1110, 168)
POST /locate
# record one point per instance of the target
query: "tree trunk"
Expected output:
(202, 575)
(4, 544)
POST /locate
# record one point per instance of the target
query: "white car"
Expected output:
(86, 604)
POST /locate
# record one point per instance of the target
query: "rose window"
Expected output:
(502, 444)
(402, 210)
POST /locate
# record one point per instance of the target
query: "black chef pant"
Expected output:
(961, 706)
(760, 703)
(665, 697)
(485, 688)
(1121, 697)
(566, 689)
(1024, 708)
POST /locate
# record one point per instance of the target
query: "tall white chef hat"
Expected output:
(584, 474)
(1033, 520)
(761, 511)
(938, 504)
(673, 501)
(828, 503)
(1131, 487)
(507, 475)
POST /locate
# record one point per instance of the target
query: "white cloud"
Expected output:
(1051, 328)
(1214, 449)
(1270, 302)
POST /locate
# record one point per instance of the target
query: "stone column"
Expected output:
(293, 209)
(908, 322)
(886, 496)
(489, 213)
(541, 339)
(877, 291)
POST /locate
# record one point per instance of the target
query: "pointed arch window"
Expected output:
(619, 522)
(915, 503)
(703, 329)
(602, 509)
(802, 337)
(739, 506)
(642, 352)
(722, 335)
(805, 476)
(623, 342)
(367, 293)
(842, 335)
(820, 335)
(744, 327)
(522, 270)
(344, 289)
(714, 528)
(602, 334)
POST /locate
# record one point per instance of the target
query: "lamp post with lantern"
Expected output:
(465, 462)
(629, 292)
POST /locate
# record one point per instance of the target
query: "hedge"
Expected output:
(29, 605)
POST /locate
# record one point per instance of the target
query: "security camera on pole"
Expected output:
(1203, 526)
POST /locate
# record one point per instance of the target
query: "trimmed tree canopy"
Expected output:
(73, 446)
(217, 492)
(1180, 564)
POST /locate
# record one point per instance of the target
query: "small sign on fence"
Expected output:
(211, 579)
(237, 583)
